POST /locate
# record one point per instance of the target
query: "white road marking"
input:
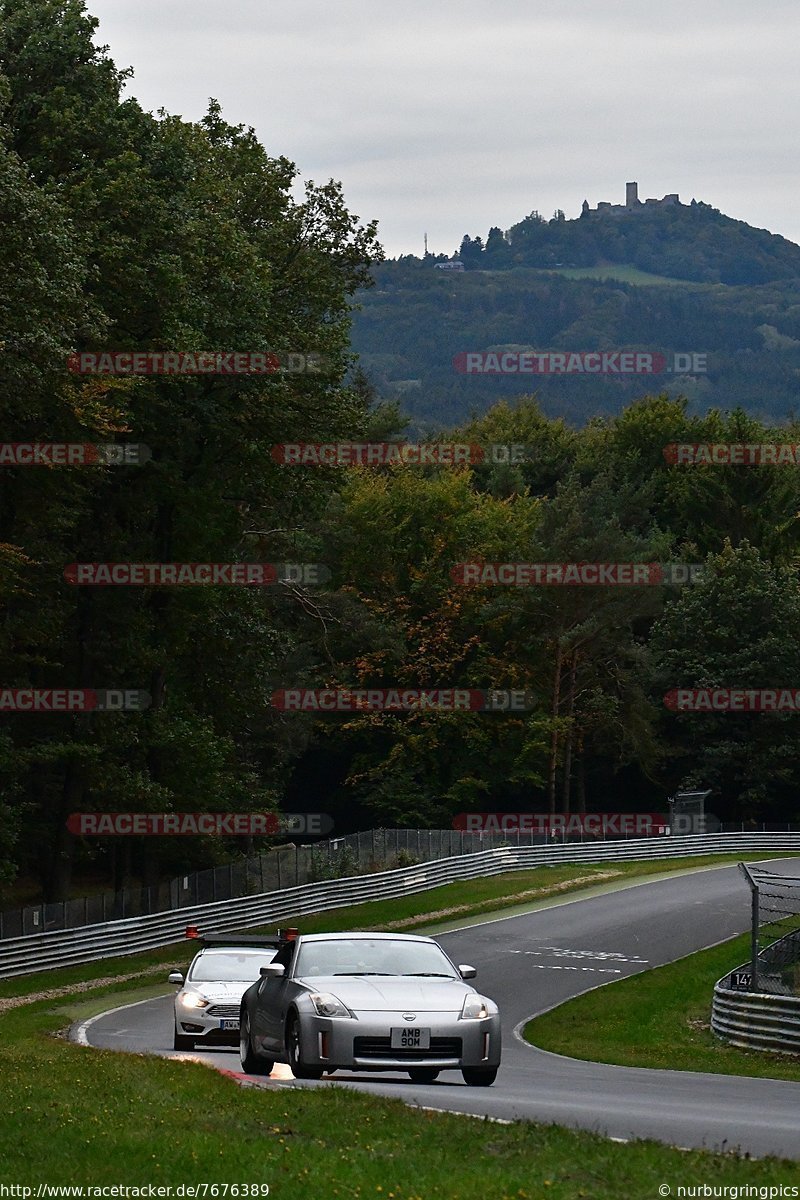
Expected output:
(600, 955)
(79, 1033)
(558, 967)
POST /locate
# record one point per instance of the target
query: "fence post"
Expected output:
(753, 926)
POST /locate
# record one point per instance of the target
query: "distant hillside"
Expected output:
(683, 241)
(725, 290)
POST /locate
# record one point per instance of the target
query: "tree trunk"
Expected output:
(565, 793)
(59, 875)
(160, 604)
(551, 771)
(581, 776)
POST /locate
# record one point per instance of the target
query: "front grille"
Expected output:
(223, 1010)
(381, 1047)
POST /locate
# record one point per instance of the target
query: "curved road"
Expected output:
(529, 963)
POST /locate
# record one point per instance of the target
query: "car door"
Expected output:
(272, 1004)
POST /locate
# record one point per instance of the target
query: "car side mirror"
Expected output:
(272, 971)
(175, 977)
(466, 972)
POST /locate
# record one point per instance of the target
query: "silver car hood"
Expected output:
(374, 993)
(218, 990)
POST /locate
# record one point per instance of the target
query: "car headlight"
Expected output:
(192, 1000)
(328, 1005)
(475, 1008)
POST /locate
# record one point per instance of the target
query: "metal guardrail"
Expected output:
(756, 1020)
(289, 865)
(60, 948)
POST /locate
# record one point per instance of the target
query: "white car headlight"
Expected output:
(192, 1000)
(475, 1009)
(328, 1005)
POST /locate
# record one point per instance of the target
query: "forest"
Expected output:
(129, 232)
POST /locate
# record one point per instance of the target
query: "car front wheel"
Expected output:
(294, 1050)
(479, 1076)
(181, 1041)
(423, 1074)
(251, 1063)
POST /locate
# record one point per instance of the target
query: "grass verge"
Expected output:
(658, 1019)
(77, 1116)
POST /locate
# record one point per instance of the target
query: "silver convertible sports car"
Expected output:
(368, 1002)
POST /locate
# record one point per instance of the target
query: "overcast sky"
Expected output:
(450, 116)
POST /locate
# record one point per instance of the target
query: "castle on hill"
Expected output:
(632, 202)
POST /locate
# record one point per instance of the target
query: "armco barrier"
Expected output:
(60, 948)
(756, 1020)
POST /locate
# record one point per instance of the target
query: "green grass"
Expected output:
(622, 273)
(658, 1019)
(75, 1115)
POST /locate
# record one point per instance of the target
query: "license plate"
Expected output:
(409, 1038)
(232, 1024)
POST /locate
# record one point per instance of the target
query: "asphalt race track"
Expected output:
(530, 963)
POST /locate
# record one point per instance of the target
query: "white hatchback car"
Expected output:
(208, 1002)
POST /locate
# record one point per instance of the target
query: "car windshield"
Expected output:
(381, 956)
(229, 965)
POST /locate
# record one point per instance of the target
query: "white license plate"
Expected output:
(411, 1038)
(232, 1024)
